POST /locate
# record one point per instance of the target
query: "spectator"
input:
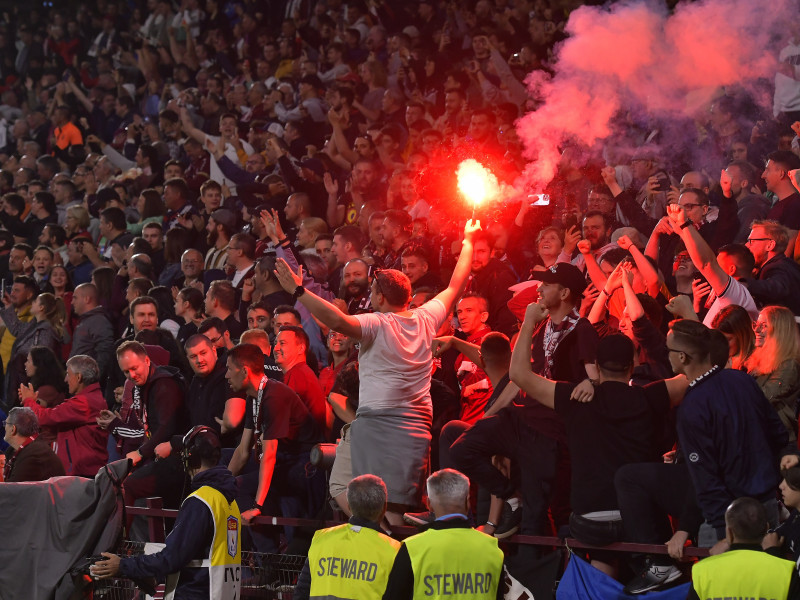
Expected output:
(241, 258)
(291, 348)
(217, 333)
(29, 457)
(189, 308)
(221, 303)
(397, 352)
(472, 311)
(282, 431)
(776, 276)
(774, 364)
(786, 210)
(491, 279)
(341, 349)
(45, 329)
(93, 335)
(623, 421)
(354, 291)
(80, 443)
(736, 325)
(160, 413)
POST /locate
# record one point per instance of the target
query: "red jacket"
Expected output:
(80, 443)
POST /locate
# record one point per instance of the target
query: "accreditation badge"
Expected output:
(233, 535)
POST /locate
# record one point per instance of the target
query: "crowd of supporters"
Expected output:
(194, 195)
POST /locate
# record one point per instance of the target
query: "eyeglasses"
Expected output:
(233, 248)
(214, 340)
(751, 240)
(689, 356)
(690, 205)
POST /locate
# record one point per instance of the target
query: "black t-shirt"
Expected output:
(576, 349)
(621, 425)
(283, 416)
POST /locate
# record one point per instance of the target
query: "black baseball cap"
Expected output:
(615, 353)
(566, 275)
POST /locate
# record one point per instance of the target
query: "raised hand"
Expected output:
(288, 279)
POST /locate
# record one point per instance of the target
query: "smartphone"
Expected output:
(664, 184)
(699, 277)
(571, 221)
(539, 199)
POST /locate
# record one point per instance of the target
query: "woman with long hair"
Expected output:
(151, 209)
(176, 241)
(735, 324)
(46, 383)
(774, 363)
(45, 373)
(45, 329)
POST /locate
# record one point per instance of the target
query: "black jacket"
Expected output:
(35, 462)
(777, 282)
(492, 282)
(189, 540)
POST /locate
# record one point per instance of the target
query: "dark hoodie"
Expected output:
(189, 540)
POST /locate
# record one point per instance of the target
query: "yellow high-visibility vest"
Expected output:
(458, 563)
(350, 562)
(742, 574)
(224, 562)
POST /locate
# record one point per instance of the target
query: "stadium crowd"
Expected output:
(244, 215)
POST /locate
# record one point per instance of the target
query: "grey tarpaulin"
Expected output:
(46, 527)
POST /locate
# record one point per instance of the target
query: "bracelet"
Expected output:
(686, 223)
(283, 241)
(298, 291)
(491, 524)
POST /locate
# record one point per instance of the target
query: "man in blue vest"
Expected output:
(449, 559)
(204, 547)
(351, 561)
(745, 570)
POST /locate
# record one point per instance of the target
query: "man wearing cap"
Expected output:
(621, 425)
(308, 89)
(204, 547)
(563, 348)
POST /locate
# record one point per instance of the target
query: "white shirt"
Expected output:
(735, 293)
(237, 277)
(395, 357)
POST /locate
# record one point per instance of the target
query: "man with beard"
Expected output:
(354, 293)
(279, 433)
(491, 279)
(221, 224)
(597, 231)
(395, 236)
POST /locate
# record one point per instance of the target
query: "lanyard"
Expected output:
(257, 403)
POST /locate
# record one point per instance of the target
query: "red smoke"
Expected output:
(638, 55)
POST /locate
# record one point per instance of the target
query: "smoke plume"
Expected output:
(636, 60)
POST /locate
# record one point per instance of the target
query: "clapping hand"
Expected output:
(288, 279)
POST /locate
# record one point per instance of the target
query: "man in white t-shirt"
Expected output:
(390, 436)
(722, 271)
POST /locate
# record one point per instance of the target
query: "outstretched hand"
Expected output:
(472, 227)
(288, 279)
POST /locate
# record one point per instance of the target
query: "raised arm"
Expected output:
(189, 128)
(472, 352)
(458, 281)
(321, 309)
(646, 268)
(537, 387)
(699, 251)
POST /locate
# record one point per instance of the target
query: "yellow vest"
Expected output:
(742, 574)
(458, 563)
(7, 340)
(224, 562)
(350, 562)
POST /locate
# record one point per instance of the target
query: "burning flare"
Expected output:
(476, 182)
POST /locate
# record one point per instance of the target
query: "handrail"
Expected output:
(156, 513)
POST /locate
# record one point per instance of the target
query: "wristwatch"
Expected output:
(686, 223)
(298, 291)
